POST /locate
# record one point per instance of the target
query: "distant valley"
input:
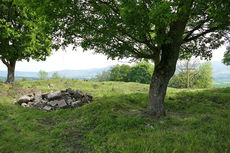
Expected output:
(68, 74)
(221, 74)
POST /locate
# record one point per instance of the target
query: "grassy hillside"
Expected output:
(117, 120)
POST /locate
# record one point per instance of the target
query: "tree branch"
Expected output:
(195, 28)
(114, 8)
(120, 29)
(201, 34)
(4, 61)
(136, 52)
(177, 27)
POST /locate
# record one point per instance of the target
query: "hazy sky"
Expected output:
(79, 60)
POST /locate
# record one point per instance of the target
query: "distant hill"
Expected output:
(220, 70)
(20, 73)
(69, 74)
(221, 74)
(80, 74)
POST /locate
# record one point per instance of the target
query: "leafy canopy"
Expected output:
(159, 30)
(139, 28)
(22, 33)
(226, 59)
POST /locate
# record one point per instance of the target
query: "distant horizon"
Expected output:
(81, 70)
(61, 69)
(78, 69)
(221, 74)
(79, 60)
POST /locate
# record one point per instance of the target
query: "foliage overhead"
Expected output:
(159, 30)
(226, 59)
(138, 28)
(22, 33)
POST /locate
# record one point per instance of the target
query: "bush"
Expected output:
(141, 72)
(55, 75)
(42, 75)
(120, 73)
(201, 77)
(25, 79)
(104, 76)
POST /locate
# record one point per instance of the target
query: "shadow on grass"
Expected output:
(114, 120)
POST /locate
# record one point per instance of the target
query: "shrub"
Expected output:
(42, 75)
(201, 77)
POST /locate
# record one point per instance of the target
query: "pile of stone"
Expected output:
(55, 100)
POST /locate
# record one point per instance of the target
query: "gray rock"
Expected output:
(89, 96)
(24, 105)
(78, 94)
(37, 97)
(85, 100)
(30, 103)
(31, 95)
(15, 102)
(54, 95)
(45, 95)
(39, 105)
(76, 103)
(24, 99)
(58, 103)
(64, 93)
(56, 100)
(69, 101)
(44, 101)
(70, 91)
(47, 108)
(62, 104)
(53, 103)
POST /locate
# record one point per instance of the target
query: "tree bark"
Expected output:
(10, 73)
(157, 92)
(10, 69)
(163, 71)
(166, 66)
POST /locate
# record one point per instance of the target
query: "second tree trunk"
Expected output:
(11, 71)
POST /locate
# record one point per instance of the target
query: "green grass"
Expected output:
(117, 121)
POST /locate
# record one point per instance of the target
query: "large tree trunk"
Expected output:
(10, 69)
(10, 73)
(166, 65)
(157, 91)
(163, 71)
